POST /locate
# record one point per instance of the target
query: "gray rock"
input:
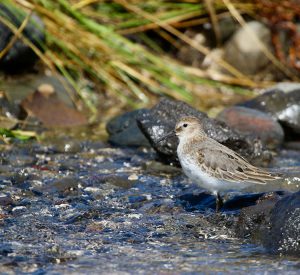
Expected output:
(6, 200)
(20, 57)
(18, 210)
(244, 53)
(282, 102)
(20, 160)
(123, 130)
(64, 187)
(162, 118)
(5, 249)
(160, 206)
(274, 222)
(119, 181)
(254, 123)
(253, 221)
(284, 234)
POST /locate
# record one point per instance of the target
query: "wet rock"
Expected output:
(20, 160)
(274, 221)
(69, 165)
(18, 210)
(254, 123)
(22, 177)
(282, 102)
(67, 186)
(244, 53)
(5, 200)
(120, 181)
(162, 118)
(253, 220)
(20, 56)
(65, 145)
(4, 180)
(160, 207)
(134, 199)
(284, 234)
(24, 202)
(159, 169)
(123, 130)
(5, 249)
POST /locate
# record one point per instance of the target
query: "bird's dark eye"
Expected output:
(185, 125)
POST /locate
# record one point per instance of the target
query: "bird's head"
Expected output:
(188, 126)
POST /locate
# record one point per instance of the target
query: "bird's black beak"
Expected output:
(168, 135)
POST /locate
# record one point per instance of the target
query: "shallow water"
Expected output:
(85, 207)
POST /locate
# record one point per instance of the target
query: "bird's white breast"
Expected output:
(194, 172)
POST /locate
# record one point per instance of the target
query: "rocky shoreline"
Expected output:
(256, 129)
(72, 204)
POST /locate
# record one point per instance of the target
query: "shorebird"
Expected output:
(212, 165)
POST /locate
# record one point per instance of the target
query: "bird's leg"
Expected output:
(219, 202)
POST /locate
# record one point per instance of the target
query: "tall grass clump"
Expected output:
(90, 39)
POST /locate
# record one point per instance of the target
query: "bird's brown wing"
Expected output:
(225, 164)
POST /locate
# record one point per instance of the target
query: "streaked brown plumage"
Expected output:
(213, 165)
(223, 163)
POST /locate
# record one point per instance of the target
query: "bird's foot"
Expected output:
(219, 202)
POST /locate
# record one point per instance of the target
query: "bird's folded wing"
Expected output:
(228, 165)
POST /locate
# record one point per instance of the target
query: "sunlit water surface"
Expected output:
(85, 207)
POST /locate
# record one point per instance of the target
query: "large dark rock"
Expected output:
(123, 130)
(162, 118)
(274, 222)
(253, 221)
(284, 234)
(254, 123)
(6, 200)
(20, 56)
(283, 103)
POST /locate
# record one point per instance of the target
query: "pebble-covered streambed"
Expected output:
(85, 207)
